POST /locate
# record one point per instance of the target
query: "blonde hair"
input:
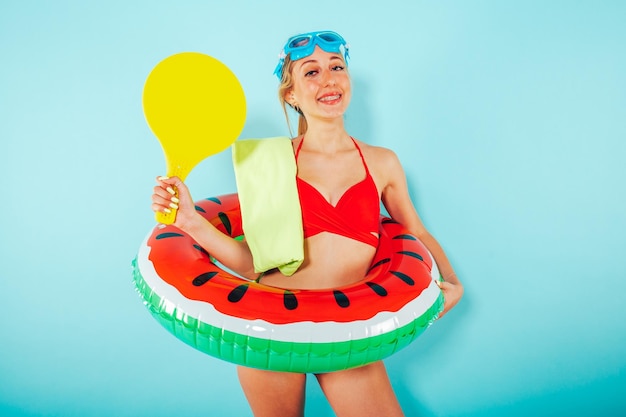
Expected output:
(286, 84)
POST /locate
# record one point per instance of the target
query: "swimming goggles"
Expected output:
(301, 46)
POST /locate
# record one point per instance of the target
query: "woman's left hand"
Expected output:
(452, 293)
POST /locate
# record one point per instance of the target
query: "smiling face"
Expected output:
(321, 86)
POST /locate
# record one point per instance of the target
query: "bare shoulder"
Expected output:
(384, 165)
(380, 159)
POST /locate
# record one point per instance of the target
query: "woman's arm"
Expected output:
(234, 254)
(395, 197)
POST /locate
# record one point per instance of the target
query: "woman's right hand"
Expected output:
(234, 254)
(164, 199)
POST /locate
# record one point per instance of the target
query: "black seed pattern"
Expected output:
(378, 289)
(404, 277)
(413, 254)
(379, 263)
(341, 299)
(289, 300)
(226, 222)
(237, 294)
(214, 199)
(200, 209)
(201, 249)
(168, 235)
(406, 237)
(203, 278)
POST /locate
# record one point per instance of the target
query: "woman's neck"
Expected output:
(326, 137)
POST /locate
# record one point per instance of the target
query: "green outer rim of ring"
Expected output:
(275, 355)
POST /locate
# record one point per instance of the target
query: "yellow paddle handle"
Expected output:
(174, 169)
(167, 218)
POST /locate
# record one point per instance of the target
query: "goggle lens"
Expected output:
(303, 40)
(299, 42)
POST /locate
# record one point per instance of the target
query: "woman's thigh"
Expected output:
(361, 392)
(272, 394)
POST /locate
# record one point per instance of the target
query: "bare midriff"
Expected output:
(330, 261)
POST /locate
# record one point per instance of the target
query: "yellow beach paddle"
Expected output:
(196, 108)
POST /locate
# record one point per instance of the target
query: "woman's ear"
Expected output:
(290, 97)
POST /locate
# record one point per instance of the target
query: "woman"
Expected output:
(341, 182)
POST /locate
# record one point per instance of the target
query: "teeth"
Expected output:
(330, 98)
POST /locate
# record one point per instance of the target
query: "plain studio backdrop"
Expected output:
(510, 120)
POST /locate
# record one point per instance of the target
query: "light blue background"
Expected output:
(510, 118)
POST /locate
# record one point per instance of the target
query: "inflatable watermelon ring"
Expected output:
(265, 327)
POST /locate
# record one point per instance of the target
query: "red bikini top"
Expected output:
(356, 215)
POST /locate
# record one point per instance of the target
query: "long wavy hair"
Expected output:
(286, 84)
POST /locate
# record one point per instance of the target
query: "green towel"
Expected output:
(265, 171)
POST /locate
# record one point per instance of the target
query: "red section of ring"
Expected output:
(396, 267)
